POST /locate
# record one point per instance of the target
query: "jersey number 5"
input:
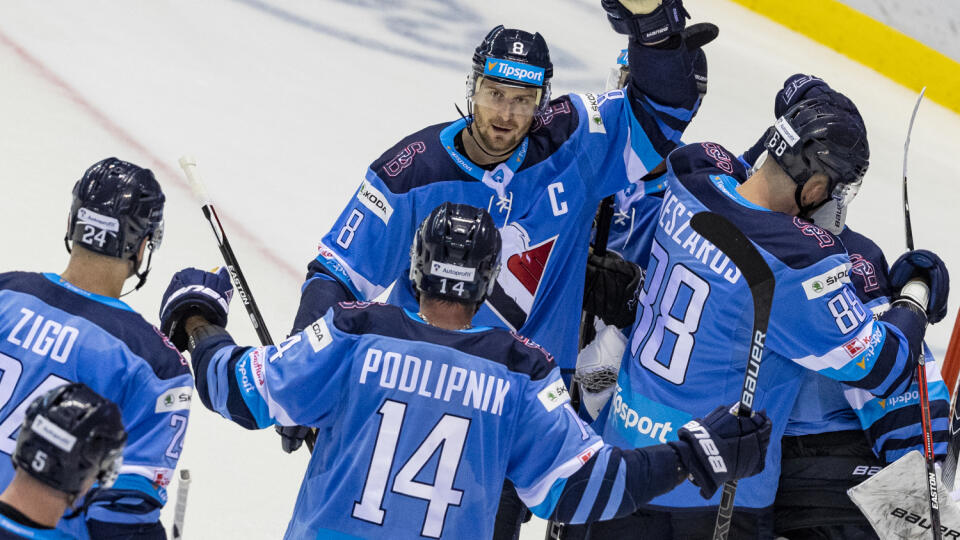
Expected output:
(449, 434)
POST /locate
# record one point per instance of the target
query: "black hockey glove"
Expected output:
(722, 447)
(610, 289)
(645, 20)
(929, 267)
(194, 292)
(292, 437)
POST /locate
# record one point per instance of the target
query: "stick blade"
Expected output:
(723, 234)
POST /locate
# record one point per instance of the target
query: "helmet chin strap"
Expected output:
(141, 276)
(469, 120)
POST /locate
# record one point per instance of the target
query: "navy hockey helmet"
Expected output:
(455, 254)
(117, 205)
(68, 435)
(515, 58)
(823, 134)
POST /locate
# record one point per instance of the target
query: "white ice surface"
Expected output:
(285, 103)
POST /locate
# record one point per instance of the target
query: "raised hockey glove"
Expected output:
(194, 292)
(647, 21)
(722, 447)
(610, 289)
(797, 88)
(927, 266)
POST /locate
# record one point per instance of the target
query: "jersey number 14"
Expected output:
(450, 433)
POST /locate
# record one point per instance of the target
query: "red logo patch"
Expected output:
(856, 346)
(528, 266)
(585, 456)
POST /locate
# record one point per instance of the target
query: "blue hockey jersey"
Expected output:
(689, 345)
(12, 530)
(892, 424)
(543, 199)
(52, 333)
(418, 426)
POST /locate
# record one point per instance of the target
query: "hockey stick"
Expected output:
(726, 237)
(921, 369)
(555, 530)
(183, 488)
(189, 166)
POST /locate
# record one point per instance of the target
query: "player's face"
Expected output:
(503, 114)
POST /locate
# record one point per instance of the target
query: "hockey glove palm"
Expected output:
(927, 266)
(610, 289)
(722, 447)
(194, 292)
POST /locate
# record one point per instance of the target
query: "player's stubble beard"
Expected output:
(499, 143)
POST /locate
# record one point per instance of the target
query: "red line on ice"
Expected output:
(235, 227)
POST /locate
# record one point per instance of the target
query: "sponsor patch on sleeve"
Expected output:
(174, 399)
(374, 200)
(595, 121)
(318, 335)
(826, 282)
(554, 395)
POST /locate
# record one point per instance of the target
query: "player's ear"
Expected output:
(815, 190)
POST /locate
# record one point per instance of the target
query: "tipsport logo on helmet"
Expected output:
(514, 71)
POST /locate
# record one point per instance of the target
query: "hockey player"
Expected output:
(70, 438)
(56, 329)
(539, 166)
(837, 436)
(693, 322)
(421, 414)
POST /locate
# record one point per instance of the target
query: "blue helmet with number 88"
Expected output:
(455, 254)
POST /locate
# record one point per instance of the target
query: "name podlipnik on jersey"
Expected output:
(407, 373)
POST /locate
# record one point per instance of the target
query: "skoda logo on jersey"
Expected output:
(515, 71)
(373, 199)
(828, 281)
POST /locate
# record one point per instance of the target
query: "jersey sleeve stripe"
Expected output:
(361, 288)
(536, 495)
(589, 501)
(616, 494)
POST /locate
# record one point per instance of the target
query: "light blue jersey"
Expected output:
(543, 198)
(688, 348)
(418, 427)
(52, 333)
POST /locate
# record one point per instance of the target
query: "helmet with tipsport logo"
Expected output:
(455, 254)
(515, 58)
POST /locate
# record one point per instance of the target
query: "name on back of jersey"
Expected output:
(43, 336)
(675, 221)
(435, 380)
